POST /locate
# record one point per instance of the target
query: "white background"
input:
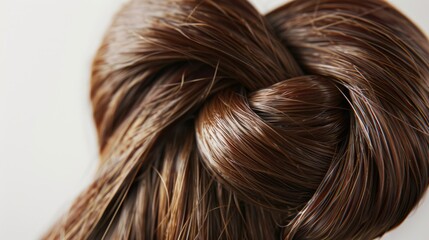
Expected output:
(48, 150)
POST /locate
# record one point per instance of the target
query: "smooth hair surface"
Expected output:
(216, 122)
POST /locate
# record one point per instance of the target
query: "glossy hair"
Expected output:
(215, 122)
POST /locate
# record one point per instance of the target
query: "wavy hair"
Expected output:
(217, 122)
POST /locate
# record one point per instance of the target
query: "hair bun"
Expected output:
(216, 122)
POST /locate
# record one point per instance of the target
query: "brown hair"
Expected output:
(215, 122)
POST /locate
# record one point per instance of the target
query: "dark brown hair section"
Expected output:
(215, 122)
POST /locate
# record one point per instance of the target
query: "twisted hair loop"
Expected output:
(216, 122)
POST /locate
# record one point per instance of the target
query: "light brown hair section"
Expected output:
(215, 122)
